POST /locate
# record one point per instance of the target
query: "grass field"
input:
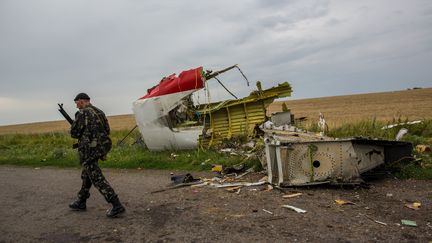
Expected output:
(386, 107)
(119, 122)
(55, 149)
(49, 144)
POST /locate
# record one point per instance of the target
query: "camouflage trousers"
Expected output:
(92, 175)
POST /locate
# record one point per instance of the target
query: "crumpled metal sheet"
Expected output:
(336, 161)
(232, 118)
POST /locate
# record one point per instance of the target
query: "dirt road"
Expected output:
(34, 207)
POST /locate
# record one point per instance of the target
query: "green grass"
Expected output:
(55, 149)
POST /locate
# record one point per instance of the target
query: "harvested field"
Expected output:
(338, 110)
(119, 122)
(388, 107)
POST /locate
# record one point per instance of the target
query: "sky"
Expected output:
(115, 50)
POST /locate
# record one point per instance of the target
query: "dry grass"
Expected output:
(386, 107)
(120, 122)
(338, 110)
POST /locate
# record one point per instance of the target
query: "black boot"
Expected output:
(79, 205)
(116, 209)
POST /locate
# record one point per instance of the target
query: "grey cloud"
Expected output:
(116, 50)
(334, 21)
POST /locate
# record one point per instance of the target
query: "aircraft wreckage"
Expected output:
(168, 120)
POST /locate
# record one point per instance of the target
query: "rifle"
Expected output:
(65, 114)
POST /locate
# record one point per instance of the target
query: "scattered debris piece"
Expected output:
(216, 179)
(234, 169)
(343, 202)
(292, 195)
(182, 181)
(178, 186)
(217, 168)
(409, 222)
(267, 211)
(414, 205)
(282, 118)
(186, 178)
(265, 178)
(322, 125)
(421, 148)
(389, 195)
(200, 184)
(401, 133)
(238, 184)
(298, 210)
(245, 173)
(233, 189)
(400, 124)
(249, 145)
(226, 150)
(376, 221)
(269, 187)
(310, 161)
(379, 222)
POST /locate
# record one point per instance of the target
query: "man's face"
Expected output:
(80, 104)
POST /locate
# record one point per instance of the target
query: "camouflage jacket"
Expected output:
(91, 128)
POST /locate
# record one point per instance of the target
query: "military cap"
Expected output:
(82, 96)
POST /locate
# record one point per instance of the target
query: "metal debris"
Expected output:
(299, 161)
(237, 184)
(298, 210)
(413, 206)
(168, 118)
(233, 189)
(421, 148)
(343, 202)
(400, 124)
(376, 221)
(409, 222)
(186, 178)
(217, 168)
(401, 133)
(292, 195)
(178, 186)
(267, 211)
(250, 170)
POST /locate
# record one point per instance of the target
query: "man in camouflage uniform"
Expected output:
(91, 128)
